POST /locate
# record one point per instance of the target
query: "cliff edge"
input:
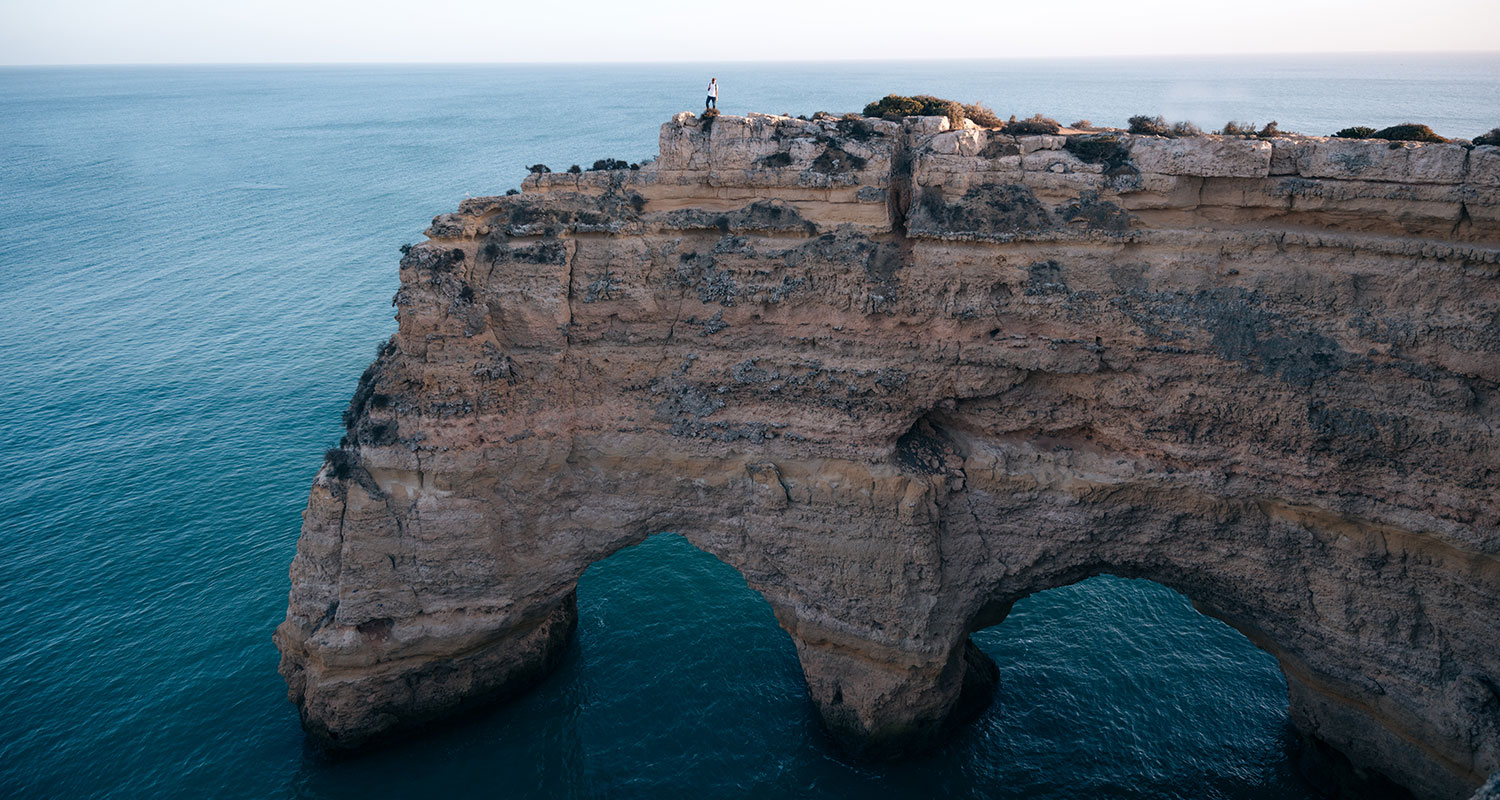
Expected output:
(900, 376)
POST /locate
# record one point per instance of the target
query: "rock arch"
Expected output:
(1128, 678)
(1251, 370)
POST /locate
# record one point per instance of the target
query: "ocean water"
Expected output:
(197, 263)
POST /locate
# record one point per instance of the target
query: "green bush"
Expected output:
(1142, 125)
(1356, 132)
(1232, 128)
(1408, 132)
(895, 106)
(1035, 125)
(1186, 128)
(1082, 125)
(981, 115)
(1270, 131)
(951, 109)
(538, 169)
(1491, 138)
(605, 164)
(575, 170)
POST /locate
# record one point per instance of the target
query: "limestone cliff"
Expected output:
(901, 376)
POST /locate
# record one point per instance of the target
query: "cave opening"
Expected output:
(1109, 687)
(679, 680)
(683, 662)
(1122, 688)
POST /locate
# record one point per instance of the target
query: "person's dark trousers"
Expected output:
(711, 102)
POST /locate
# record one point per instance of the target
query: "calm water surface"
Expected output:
(197, 263)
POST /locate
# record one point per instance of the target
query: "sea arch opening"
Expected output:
(1110, 683)
(1107, 683)
(686, 672)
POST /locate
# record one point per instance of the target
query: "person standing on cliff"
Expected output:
(713, 95)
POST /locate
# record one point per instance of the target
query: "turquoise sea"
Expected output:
(196, 264)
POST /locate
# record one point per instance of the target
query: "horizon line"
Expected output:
(943, 59)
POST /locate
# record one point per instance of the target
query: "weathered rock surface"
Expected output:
(901, 377)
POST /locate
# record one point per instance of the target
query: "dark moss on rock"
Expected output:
(987, 209)
(856, 129)
(835, 160)
(1000, 147)
(1240, 328)
(1107, 150)
(558, 212)
(762, 215)
(1044, 278)
(1095, 214)
(547, 251)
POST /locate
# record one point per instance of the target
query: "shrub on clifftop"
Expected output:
(1158, 126)
(895, 106)
(1405, 132)
(1142, 125)
(1186, 128)
(1408, 132)
(1493, 137)
(981, 115)
(1035, 125)
(1271, 131)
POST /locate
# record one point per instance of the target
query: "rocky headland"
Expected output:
(901, 376)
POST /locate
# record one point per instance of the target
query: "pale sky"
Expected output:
(302, 31)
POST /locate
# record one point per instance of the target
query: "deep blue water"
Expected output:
(197, 263)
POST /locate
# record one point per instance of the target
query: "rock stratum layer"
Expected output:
(899, 377)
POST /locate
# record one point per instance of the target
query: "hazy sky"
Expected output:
(177, 31)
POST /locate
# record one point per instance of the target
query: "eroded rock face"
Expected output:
(901, 377)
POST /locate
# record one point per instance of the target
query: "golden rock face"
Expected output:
(900, 377)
